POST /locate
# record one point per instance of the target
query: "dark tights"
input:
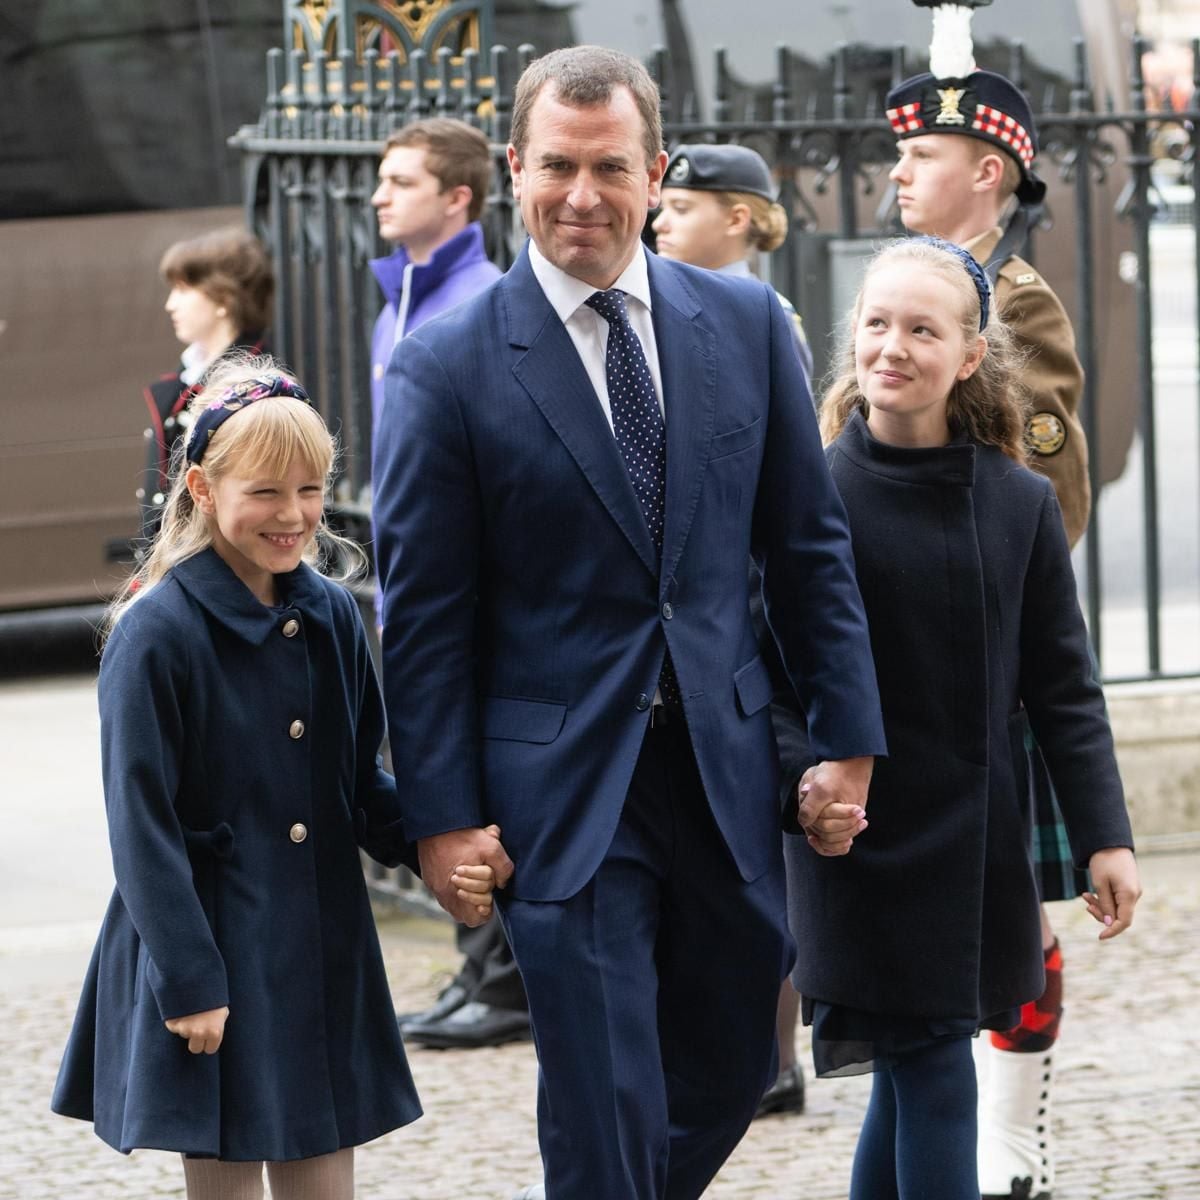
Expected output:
(918, 1138)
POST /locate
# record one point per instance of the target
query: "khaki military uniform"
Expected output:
(1052, 377)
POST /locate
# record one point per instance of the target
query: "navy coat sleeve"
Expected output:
(1063, 698)
(378, 823)
(428, 520)
(143, 732)
(801, 544)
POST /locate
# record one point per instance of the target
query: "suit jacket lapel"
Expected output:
(688, 362)
(550, 371)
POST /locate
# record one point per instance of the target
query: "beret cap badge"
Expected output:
(949, 106)
(680, 170)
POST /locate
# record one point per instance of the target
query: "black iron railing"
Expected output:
(309, 172)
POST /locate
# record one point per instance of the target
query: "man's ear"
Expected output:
(201, 490)
(655, 172)
(458, 200)
(515, 170)
(989, 172)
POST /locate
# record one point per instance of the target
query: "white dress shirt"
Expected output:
(588, 330)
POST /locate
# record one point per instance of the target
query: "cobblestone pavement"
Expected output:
(1127, 1111)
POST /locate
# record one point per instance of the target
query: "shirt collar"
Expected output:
(568, 294)
(739, 269)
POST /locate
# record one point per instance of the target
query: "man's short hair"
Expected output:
(456, 155)
(584, 76)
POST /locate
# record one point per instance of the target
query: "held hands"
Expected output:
(833, 797)
(1118, 889)
(203, 1031)
(462, 867)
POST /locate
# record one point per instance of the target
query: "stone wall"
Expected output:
(1157, 731)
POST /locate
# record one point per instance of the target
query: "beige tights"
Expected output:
(326, 1177)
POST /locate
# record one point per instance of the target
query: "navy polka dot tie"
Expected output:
(639, 429)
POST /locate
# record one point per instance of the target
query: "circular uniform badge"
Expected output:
(1045, 433)
(680, 170)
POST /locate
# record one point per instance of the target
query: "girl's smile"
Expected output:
(262, 526)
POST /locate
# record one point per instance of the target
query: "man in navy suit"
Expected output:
(568, 650)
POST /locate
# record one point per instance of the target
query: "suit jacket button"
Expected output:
(297, 833)
(296, 729)
(643, 702)
(668, 611)
(290, 628)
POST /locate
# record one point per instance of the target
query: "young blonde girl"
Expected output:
(236, 1008)
(922, 927)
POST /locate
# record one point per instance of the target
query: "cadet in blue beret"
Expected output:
(718, 207)
(967, 145)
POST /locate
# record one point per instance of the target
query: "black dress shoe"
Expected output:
(449, 999)
(470, 1027)
(785, 1095)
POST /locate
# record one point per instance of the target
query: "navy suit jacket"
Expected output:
(525, 612)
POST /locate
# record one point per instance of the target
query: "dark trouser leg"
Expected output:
(494, 979)
(722, 956)
(652, 993)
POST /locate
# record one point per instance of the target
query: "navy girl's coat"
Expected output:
(240, 776)
(975, 627)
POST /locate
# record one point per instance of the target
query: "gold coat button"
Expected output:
(297, 833)
(290, 628)
(296, 729)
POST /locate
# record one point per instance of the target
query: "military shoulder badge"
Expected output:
(1025, 277)
(1045, 434)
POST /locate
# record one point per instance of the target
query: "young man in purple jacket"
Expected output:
(433, 179)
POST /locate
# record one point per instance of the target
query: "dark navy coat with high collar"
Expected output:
(241, 775)
(975, 625)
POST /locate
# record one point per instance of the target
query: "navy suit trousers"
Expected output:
(652, 993)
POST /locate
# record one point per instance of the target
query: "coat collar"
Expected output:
(952, 464)
(210, 581)
(465, 246)
(550, 371)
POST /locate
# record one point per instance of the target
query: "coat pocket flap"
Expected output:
(734, 440)
(522, 720)
(753, 685)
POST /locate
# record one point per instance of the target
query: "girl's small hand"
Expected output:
(474, 886)
(203, 1031)
(1118, 889)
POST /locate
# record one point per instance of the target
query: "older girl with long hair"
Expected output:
(918, 923)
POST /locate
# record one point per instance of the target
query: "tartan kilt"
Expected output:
(1057, 876)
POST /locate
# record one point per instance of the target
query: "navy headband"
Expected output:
(233, 400)
(978, 275)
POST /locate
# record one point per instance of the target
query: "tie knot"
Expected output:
(610, 305)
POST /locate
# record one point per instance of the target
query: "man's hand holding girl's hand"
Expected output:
(833, 797)
(462, 867)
